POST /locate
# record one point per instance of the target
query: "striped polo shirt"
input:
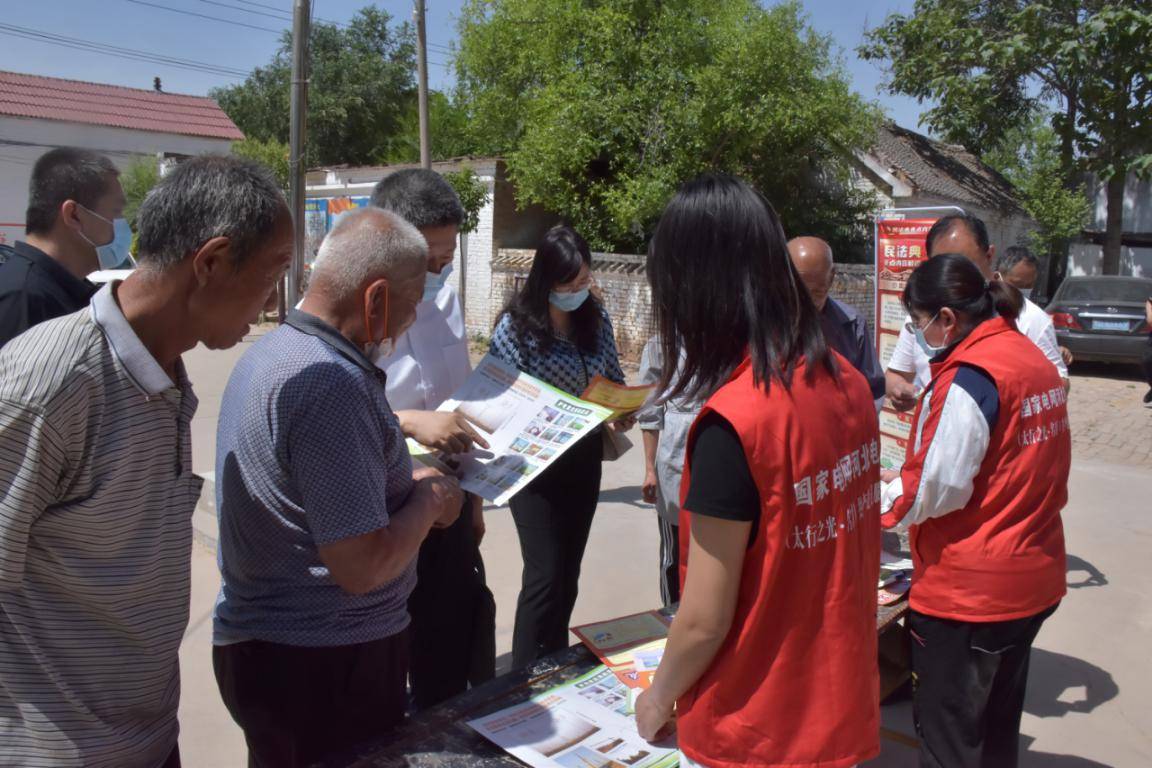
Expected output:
(96, 501)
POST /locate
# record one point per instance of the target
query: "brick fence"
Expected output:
(624, 286)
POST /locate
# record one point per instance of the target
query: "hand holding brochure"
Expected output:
(526, 422)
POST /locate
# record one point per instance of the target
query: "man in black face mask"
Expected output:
(74, 227)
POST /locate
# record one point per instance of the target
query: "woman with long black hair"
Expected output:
(771, 659)
(557, 331)
(981, 489)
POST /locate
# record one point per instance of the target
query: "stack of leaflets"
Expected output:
(895, 579)
(631, 647)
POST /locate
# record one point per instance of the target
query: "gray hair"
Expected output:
(421, 196)
(1013, 255)
(205, 197)
(368, 244)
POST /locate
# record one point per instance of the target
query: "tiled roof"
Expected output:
(943, 170)
(50, 98)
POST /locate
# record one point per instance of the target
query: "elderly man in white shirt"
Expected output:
(908, 368)
(453, 611)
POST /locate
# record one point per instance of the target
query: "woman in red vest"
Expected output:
(985, 478)
(771, 660)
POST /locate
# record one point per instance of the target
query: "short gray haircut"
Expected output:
(368, 244)
(1013, 255)
(205, 197)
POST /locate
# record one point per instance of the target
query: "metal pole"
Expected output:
(464, 277)
(422, 71)
(301, 26)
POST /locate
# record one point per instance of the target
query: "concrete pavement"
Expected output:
(1091, 683)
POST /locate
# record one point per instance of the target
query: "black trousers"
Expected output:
(1146, 364)
(669, 561)
(453, 626)
(296, 705)
(969, 682)
(553, 517)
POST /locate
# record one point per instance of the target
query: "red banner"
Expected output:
(900, 248)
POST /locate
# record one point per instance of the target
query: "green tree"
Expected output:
(447, 132)
(361, 84)
(473, 195)
(603, 108)
(137, 181)
(1029, 157)
(271, 153)
(990, 64)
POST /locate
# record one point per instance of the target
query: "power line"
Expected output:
(247, 10)
(206, 16)
(92, 46)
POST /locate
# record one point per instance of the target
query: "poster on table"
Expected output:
(900, 248)
(586, 723)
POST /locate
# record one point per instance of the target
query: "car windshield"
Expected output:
(1131, 291)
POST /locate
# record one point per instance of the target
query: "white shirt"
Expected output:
(431, 360)
(1033, 323)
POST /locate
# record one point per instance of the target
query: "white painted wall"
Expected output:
(24, 140)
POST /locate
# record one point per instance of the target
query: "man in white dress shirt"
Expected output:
(908, 369)
(453, 612)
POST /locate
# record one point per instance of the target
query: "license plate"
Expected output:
(1110, 325)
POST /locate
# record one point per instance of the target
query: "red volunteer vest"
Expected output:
(796, 683)
(1002, 556)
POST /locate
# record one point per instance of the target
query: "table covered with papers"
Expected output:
(442, 737)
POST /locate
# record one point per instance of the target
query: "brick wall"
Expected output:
(628, 301)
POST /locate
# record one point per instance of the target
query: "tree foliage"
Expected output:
(271, 153)
(1029, 157)
(361, 86)
(137, 181)
(990, 64)
(603, 108)
(473, 194)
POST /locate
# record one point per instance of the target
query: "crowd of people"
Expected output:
(353, 588)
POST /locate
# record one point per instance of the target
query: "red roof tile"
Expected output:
(50, 98)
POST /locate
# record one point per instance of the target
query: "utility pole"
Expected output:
(422, 70)
(301, 27)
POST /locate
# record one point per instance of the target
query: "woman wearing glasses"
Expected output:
(556, 331)
(982, 486)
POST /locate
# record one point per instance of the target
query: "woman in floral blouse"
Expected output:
(556, 331)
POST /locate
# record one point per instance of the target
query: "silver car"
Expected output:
(1101, 319)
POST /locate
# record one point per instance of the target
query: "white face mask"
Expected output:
(116, 252)
(433, 282)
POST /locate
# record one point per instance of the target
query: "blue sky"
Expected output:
(136, 25)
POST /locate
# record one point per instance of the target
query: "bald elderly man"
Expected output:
(844, 327)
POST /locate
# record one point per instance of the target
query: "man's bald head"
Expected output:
(963, 234)
(812, 258)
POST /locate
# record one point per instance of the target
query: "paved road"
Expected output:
(1091, 681)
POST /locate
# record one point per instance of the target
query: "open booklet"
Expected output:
(621, 399)
(631, 647)
(586, 723)
(526, 422)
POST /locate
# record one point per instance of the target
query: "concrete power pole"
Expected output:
(301, 27)
(422, 70)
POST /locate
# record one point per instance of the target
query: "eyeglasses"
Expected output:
(911, 326)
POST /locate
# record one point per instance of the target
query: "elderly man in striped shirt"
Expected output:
(96, 482)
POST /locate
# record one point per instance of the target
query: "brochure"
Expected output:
(630, 646)
(586, 723)
(527, 425)
(621, 399)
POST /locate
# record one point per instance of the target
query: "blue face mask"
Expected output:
(112, 255)
(568, 302)
(433, 282)
(930, 350)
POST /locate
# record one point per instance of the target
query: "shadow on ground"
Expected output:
(1095, 577)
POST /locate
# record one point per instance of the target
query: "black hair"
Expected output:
(559, 258)
(64, 174)
(723, 288)
(420, 196)
(1013, 255)
(943, 226)
(205, 197)
(951, 280)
